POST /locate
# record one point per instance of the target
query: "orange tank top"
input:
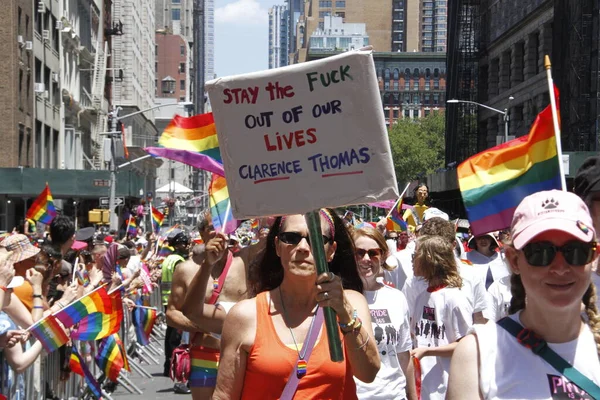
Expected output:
(270, 363)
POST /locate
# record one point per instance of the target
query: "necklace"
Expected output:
(301, 363)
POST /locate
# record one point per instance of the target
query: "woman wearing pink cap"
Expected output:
(546, 348)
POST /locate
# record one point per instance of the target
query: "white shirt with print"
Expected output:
(499, 296)
(440, 318)
(390, 319)
(509, 370)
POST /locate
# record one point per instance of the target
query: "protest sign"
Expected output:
(302, 137)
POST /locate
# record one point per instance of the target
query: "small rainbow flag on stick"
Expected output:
(143, 319)
(394, 220)
(192, 141)
(131, 226)
(42, 209)
(220, 206)
(50, 334)
(77, 365)
(111, 358)
(157, 219)
(493, 182)
(93, 302)
(100, 325)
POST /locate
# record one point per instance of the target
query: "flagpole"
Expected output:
(548, 67)
(399, 198)
(149, 308)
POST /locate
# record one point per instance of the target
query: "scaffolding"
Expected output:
(576, 72)
(462, 138)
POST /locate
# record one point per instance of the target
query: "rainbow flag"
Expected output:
(143, 320)
(394, 221)
(94, 302)
(78, 365)
(165, 251)
(100, 325)
(220, 208)
(493, 183)
(157, 219)
(42, 209)
(111, 358)
(50, 334)
(192, 141)
(131, 226)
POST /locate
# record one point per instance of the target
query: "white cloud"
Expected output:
(247, 12)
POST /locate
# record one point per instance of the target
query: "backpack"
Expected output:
(181, 364)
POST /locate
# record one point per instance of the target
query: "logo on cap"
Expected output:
(550, 204)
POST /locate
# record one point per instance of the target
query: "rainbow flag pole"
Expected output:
(548, 67)
(42, 209)
(399, 199)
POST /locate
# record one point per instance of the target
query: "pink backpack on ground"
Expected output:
(180, 364)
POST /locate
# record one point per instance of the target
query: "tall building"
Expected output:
(419, 25)
(209, 40)
(278, 36)
(338, 36)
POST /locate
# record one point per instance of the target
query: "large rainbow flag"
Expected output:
(111, 358)
(143, 319)
(220, 209)
(42, 209)
(50, 334)
(192, 141)
(157, 219)
(94, 302)
(78, 365)
(493, 182)
(100, 325)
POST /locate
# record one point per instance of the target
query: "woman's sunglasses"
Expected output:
(360, 253)
(294, 238)
(576, 253)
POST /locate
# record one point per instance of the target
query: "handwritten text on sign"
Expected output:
(298, 127)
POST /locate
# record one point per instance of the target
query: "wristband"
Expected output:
(40, 307)
(38, 296)
(351, 323)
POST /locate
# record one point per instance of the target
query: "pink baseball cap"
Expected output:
(551, 210)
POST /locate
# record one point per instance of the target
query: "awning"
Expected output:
(174, 187)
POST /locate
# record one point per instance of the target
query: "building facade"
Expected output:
(338, 35)
(278, 36)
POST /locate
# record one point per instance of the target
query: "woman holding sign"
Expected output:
(279, 336)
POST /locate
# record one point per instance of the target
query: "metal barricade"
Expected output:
(44, 375)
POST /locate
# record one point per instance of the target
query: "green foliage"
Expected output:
(417, 146)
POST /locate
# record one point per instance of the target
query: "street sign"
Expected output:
(105, 200)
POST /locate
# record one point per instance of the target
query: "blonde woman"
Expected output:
(551, 258)
(390, 319)
(441, 316)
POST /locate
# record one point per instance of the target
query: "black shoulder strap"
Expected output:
(531, 340)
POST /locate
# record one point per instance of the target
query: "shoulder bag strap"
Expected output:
(531, 340)
(216, 292)
(309, 343)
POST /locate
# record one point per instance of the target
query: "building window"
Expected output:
(182, 68)
(416, 84)
(395, 114)
(436, 99)
(182, 84)
(406, 113)
(426, 99)
(340, 3)
(182, 50)
(176, 1)
(21, 140)
(168, 86)
(176, 14)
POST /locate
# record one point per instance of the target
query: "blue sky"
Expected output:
(241, 35)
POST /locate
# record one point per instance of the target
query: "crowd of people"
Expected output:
(424, 313)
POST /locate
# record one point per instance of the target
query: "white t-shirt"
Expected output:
(439, 318)
(596, 280)
(482, 263)
(509, 370)
(498, 296)
(473, 285)
(389, 315)
(399, 276)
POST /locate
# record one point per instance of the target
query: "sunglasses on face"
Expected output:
(393, 238)
(373, 253)
(575, 253)
(294, 238)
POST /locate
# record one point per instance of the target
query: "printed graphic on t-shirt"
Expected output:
(385, 333)
(563, 389)
(428, 328)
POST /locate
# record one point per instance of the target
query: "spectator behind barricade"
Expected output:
(390, 318)
(62, 233)
(545, 348)
(259, 332)
(441, 316)
(59, 283)
(135, 261)
(23, 257)
(18, 359)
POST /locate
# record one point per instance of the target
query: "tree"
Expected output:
(417, 146)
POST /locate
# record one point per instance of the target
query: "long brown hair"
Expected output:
(436, 260)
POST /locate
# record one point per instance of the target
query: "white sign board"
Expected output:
(302, 137)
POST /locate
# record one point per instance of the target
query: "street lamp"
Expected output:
(505, 114)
